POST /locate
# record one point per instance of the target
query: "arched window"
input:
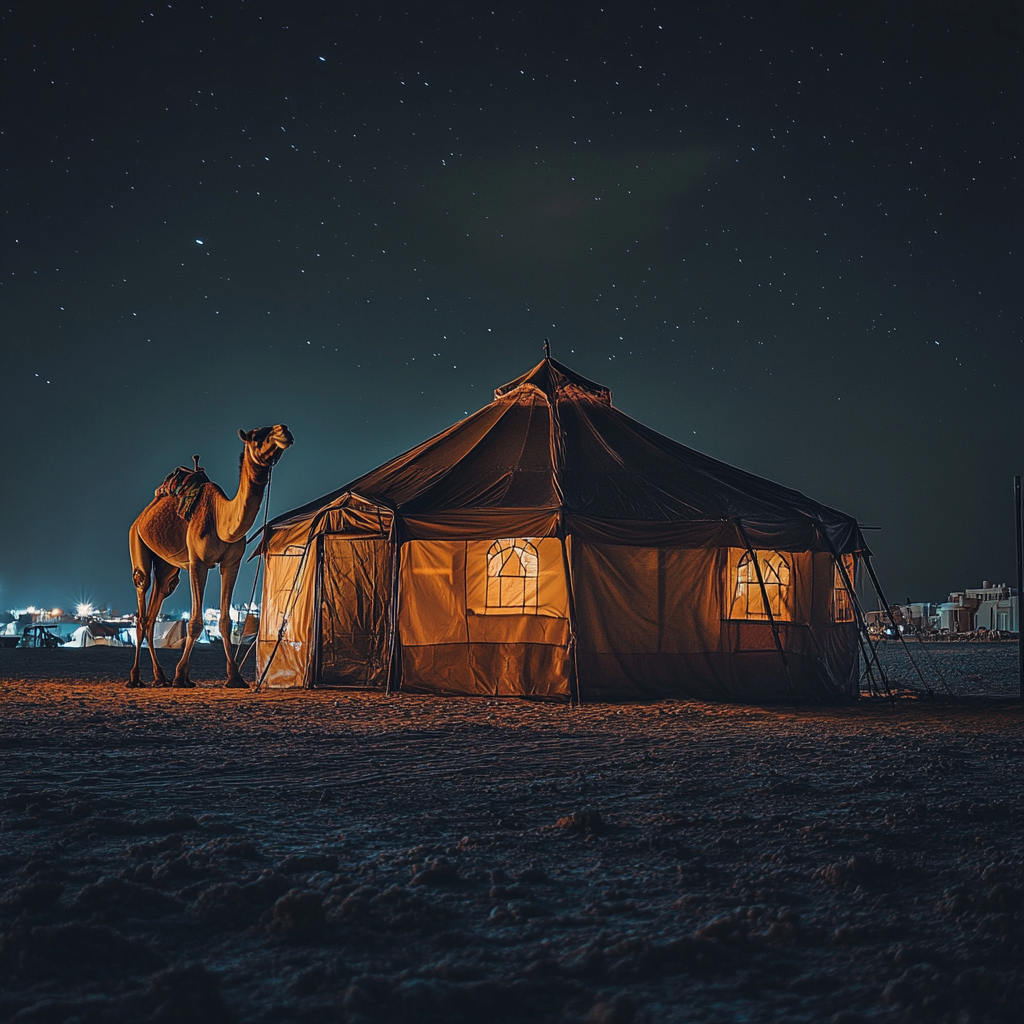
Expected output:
(512, 575)
(747, 597)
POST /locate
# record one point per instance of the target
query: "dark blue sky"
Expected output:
(786, 234)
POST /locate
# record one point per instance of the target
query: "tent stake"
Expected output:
(768, 609)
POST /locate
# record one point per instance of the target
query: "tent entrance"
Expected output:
(355, 599)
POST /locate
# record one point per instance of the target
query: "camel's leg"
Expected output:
(142, 565)
(228, 575)
(197, 577)
(165, 582)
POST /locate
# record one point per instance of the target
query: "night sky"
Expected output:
(787, 234)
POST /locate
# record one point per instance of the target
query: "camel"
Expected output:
(209, 530)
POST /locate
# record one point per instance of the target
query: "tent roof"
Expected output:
(552, 377)
(552, 440)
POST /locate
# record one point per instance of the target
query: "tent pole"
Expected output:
(868, 648)
(288, 607)
(273, 654)
(1020, 586)
(872, 651)
(556, 443)
(821, 652)
(316, 671)
(394, 681)
(862, 626)
(574, 673)
(768, 609)
(896, 628)
(238, 664)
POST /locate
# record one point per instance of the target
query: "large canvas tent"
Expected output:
(551, 546)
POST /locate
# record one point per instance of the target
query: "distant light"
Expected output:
(199, 241)
(84, 610)
(324, 59)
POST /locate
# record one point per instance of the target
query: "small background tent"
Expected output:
(95, 634)
(81, 637)
(551, 546)
(169, 633)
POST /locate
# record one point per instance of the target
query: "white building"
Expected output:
(989, 606)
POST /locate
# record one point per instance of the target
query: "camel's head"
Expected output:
(265, 444)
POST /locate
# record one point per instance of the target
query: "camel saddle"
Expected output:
(186, 485)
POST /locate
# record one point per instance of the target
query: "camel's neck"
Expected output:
(236, 516)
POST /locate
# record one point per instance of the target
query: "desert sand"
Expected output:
(213, 855)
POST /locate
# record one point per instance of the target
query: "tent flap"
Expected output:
(355, 595)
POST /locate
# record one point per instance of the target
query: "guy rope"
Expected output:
(256, 576)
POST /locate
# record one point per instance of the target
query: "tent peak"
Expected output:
(555, 379)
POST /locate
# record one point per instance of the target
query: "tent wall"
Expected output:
(452, 642)
(651, 623)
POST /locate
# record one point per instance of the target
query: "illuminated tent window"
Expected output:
(842, 605)
(747, 600)
(512, 575)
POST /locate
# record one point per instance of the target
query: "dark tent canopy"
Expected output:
(550, 545)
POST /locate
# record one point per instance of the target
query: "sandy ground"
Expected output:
(961, 669)
(209, 855)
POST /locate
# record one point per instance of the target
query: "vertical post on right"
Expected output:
(1020, 585)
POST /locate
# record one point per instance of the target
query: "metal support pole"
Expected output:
(288, 607)
(895, 625)
(862, 627)
(574, 669)
(556, 445)
(768, 610)
(1020, 585)
(394, 677)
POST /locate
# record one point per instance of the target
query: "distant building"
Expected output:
(914, 615)
(989, 606)
(997, 607)
(919, 614)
